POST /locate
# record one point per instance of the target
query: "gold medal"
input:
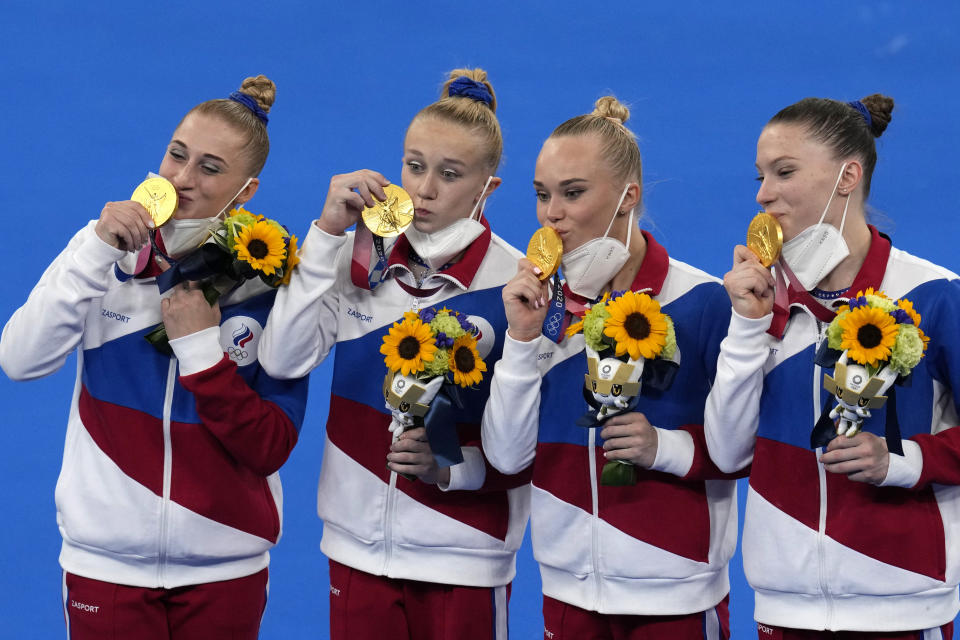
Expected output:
(158, 197)
(765, 238)
(545, 250)
(390, 217)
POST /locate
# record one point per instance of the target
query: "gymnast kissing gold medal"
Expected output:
(765, 238)
(545, 250)
(390, 217)
(158, 197)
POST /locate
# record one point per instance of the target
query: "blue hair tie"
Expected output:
(856, 104)
(251, 104)
(464, 86)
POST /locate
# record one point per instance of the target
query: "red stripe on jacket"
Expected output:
(205, 478)
(361, 432)
(661, 509)
(898, 527)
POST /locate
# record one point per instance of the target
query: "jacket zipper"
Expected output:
(595, 521)
(167, 471)
(388, 522)
(822, 476)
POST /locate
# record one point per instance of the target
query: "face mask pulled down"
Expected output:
(818, 249)
(183, 235)
(438, 248)
(589, 267)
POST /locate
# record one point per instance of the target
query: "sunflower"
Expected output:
(465, 362)
(574, 329)
(292, 260)
(868, 335)
(407, 346)
(262, 246)
(636, 325)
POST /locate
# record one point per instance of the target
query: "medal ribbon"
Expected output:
(555, 324)
(361, 273)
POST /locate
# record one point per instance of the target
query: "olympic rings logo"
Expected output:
(553, 323)
(236, 353)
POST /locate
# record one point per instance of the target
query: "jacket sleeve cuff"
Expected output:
(198, 351)
(675, 451)
(519, 359)
(469, 475)
(743, 329)
(319, 247)
(96, 253)
(904, 471)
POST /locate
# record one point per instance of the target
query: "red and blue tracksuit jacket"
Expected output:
(169, 473)
(820, 550)
(466, 533)
(657, 548)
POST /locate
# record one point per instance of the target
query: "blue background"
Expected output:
(93, 91)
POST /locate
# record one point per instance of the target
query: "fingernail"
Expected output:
(150, 224)
(543, 300)
(537, 270)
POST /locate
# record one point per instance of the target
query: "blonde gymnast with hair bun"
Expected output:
(431, 558)
(168, 500)
(647, 560)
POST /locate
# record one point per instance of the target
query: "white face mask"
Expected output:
(818, 249)
(589, 267)
(441, 246)
(180, 236)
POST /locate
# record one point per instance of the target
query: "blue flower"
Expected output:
(427, 315)
(442, 341)
(858, 302)
(901, 316)
(465, 324)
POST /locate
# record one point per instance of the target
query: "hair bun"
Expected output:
(261, 89)
(610, 107)
(881, 110)
(477, 75)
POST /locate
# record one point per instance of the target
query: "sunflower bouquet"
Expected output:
(881, 342)
(422, 352)
(622, 332)
(260, 247)
(241, 247)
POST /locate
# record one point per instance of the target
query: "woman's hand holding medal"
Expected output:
(749, 283)
(526, 301)
(348, 195)
(124, 225)
(526, 297)
(127, 225)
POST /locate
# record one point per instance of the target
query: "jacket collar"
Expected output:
(460, 273)
(870, 275)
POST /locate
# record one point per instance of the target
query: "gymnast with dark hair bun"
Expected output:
(836, 388)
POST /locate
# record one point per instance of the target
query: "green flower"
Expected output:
(440, 364)
(670, 347)
(447, 323)
(593, 322)
(881, 302)
(835, 332)
(907, 350)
